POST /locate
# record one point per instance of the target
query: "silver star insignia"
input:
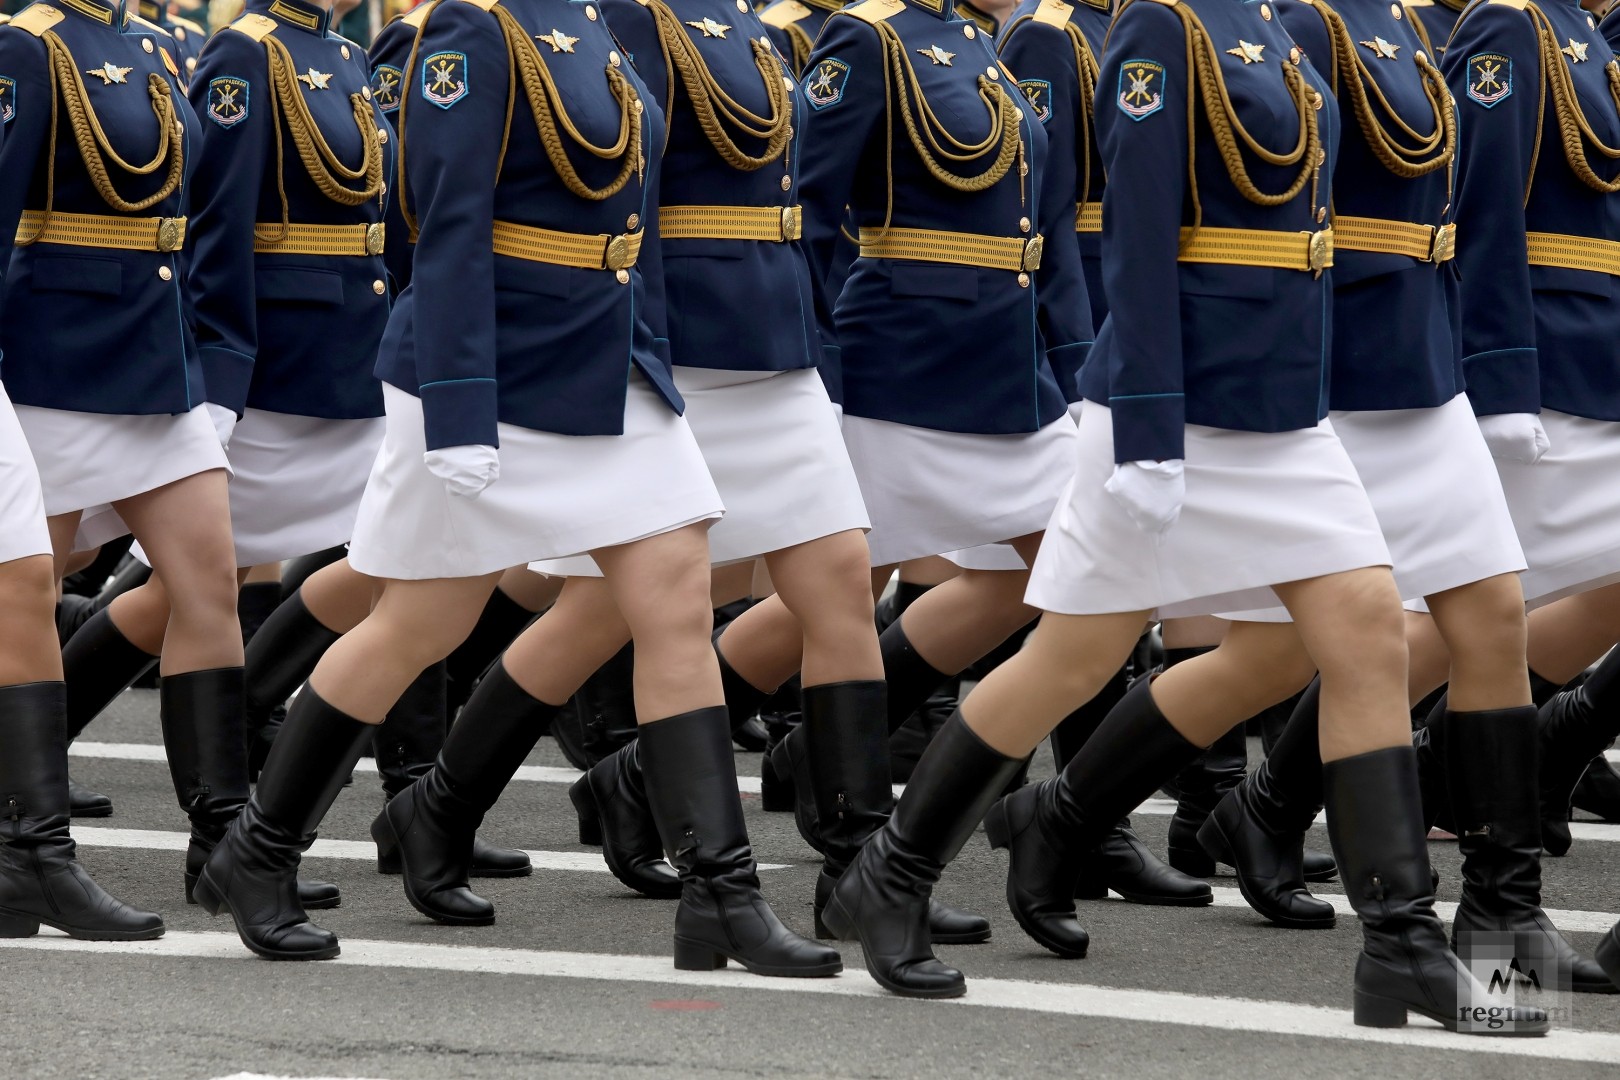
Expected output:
(1575, 50)
(109, 73)
(1248, 52)
(559, 41)
(937, 55)
(315, 80)
(710, 28)
(1382, 49)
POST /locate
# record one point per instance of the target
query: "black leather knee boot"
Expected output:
(406, 744)
(1200, 786)
(692, 787)
(1373, 821)
(40, 879)
(601, 716)
(1576, 725)
(252, 871)
(289, 644)
(98, 664)
(499, 624)
(429, 829)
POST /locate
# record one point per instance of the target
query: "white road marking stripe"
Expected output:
(1589, 922)
(262, 1076)
(1064, 999)
(1580, 830)
(360, 850)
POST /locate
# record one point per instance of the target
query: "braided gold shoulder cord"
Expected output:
(320, 160)
(900, 81)
(802, 47)
(67, 86)
(1085, 64)
(715, 109)
(1227, 129)
(1402, 160)
(1573, 127)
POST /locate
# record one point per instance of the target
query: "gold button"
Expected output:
(382, 135)
(1421, 55)
(1023, 224)
(787, 82)
(787, 183)
(191, 64)
(179, 33)
(613, 58)
(632, 221)
(1293, 55)
(992, 72)
(1023, 281)
(639, 105)
(1265, 12)
(590, 12)
(378, 287)
(146, 44)
(366, 92)
(765, 40)
(1321, 215)
(742, 6)
(623, 276)
(1321, 156)
(1317, 101)
(165, 273)
(968, 32)
(382, 186)
(344, 49)
(1395, 10)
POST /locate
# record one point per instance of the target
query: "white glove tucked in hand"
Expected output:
(1151, 493)
(224, 422)
(465, 470)
(1516, 437)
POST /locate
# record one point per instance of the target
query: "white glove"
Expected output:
(1516, 437)
(224, 422)
(1151, 492)
(465, 470)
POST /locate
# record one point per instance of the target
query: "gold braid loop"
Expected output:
(717, 110)
(1402, 160)
(320, 160)
(802, 47)
(1085, 63)
(546, 102)
(67, 86)
(1573, 127)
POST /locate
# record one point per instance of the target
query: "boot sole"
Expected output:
(1151, 900)
(18, 924)
(700, 956)
(391, 840)
(390, 866)
(1372, 1011)
(1321, 876)
(999, 833)
(842, 928)
(590, 815)
(1219, 845)
(91, 811)
(212, 900)
(310, 905)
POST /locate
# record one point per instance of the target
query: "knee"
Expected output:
(29, 592)
(1371, 631)
(1495, 628)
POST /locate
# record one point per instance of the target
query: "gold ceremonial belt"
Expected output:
(583, 251)
(102, 231)
(1088, 217)
(1574, 252)
(961, 249)
(1312, 251)
(773, 224)
(318, 239)
(1426, 243)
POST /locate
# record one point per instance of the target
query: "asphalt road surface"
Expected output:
(575, 979)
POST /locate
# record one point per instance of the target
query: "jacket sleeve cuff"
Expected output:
(1070, 358)
(1149, 427)
(1503, 381)
(227, 375)
(460, 412)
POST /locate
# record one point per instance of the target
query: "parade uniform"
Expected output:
(1536, 209)
(288, 271)
(793, 26)
(953, 316)
(1232, 232)
(98, 354)
(538, 343)
(1434, 20)
(390, 51)
(189, 38)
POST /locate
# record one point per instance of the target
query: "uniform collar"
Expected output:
(983, 19)
(940, 9)
(1099, 5)
(154, 12)
(106, 12)
(305, 16)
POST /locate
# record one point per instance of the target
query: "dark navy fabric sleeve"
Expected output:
(1146, 160)
(230, 163)
(22, 59)
(835, 138)
(451, 162)
(1496, 48)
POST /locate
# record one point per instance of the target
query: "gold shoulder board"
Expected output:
(875, 11)
(1517, 5)
(415, 17)
(257, 27)
(784, 14)
(37, 19)
(4, 18)
(190, 27)
(151, 27)
(1166, 3)
(486, 5)
(1054, 13)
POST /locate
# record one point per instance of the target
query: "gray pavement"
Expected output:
(1161, 995)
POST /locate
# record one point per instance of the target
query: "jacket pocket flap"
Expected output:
(298, 284)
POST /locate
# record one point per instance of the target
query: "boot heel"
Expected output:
(776, 793)
(1378, 1012)
(996, 829)
(389, 860)
(695, 956)
(822, 932)
(18, 926)
(205, 895)
(836, 921)
(191, 887)
(590, 818)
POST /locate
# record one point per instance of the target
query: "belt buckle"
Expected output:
(1032, 253)
(1444, 247)
(792, 223)
(171, 233)
(1321, 251)
(376, 234)
(617, 256)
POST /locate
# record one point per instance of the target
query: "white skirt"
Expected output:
(1261, 509)
(930, 492)
(1434, 487)
(557, 495)
(1567, 508)
(22, 506)
(987, 557)
(772, 444)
